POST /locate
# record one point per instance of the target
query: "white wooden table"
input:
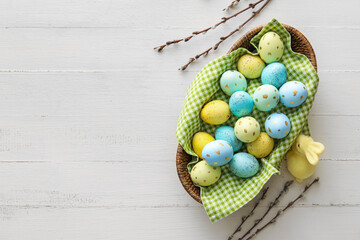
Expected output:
(89, 112)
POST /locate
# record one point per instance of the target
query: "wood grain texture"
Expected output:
(89, 112)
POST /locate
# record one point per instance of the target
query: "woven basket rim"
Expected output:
(182, 158)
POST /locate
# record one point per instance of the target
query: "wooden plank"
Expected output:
(162, 13)
(132, 138)
(330, 223)
(96, 50)
(147, 184)
(108, 94)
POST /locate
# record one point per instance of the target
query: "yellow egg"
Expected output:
(203, 174)
(215, 112)
(199, 141)
(262, 146)
(271, 47)
(250, 66)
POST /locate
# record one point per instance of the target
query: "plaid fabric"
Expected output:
(231, 193)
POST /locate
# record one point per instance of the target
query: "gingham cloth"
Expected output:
(231, 193)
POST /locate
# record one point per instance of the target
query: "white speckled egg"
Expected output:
(203, 174)
(244, 165)
(247, 129)
(232, 81)
(217, 153)
(277, 125)
(266, 97)
(274, 74)
(271, 47)
(227, 133)
(293, 93)
(241, 104)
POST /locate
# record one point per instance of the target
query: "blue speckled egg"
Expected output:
(277, 125)
(293, 93)
(217, 153)
(244, 165)
(266, 97)
(241, 104)
(227, 133)
(274, 74)
(232, 81)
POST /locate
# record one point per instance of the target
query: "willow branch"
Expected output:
(273, 220)
(232, 4)
(191, 60)
(222, 39)
(271, 205)
(223, 20)
(254, 14)
(244, 218)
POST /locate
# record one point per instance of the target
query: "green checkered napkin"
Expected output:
(231, 193)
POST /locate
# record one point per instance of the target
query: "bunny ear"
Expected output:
(311, 156)
(317, 147)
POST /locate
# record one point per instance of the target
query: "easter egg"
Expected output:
(247, 129)
(215, 112)
(199, 141)
(277, 125)
(262, 146)
(227, 133)
(250, 66)
(232, 81)
(244, 165)
(241, 104)
(293, 93)
(274, 74)
(271, 47)
(266, 97)
(203, 174)
(217, 153)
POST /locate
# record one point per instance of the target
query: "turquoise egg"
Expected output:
(232, 81)
(217, 153)
(244, 165)
(274, 74)
(241, 104)
(227, 133)
(293, 94)
(277, 125)
(266, 97)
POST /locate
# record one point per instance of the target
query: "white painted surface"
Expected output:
(89, 112)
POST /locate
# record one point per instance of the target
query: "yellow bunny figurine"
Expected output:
(303, 157)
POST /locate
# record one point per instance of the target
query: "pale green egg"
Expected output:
(203, 174)
(271, 47)
(266, 97)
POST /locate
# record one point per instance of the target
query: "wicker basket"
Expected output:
(299, 44)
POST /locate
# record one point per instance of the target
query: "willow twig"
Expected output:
(271, 205)
(244, 218)
(222, 39)
(254, 14)
(232, 4)
(273, 220)
(223, 20)
(191, 60)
